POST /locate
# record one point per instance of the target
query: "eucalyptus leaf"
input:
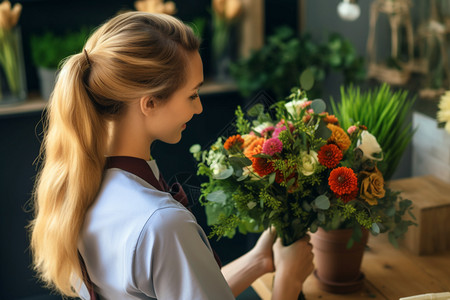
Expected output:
(322, 202)
(240, 161)
(318, 106)
(217, 197)
(375, 228)
(323, 131)
(224, 174)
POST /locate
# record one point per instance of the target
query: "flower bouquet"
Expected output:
(294, 168)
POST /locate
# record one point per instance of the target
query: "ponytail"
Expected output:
(73, 151)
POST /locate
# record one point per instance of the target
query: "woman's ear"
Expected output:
(147, 105)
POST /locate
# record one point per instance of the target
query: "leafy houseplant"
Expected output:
(49, 49)
(277, 66)
(385, 112)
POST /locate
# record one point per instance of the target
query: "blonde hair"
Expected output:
(132, 55)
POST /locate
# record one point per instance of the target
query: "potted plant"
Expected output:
(49, 49)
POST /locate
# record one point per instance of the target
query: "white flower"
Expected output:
(443, 114)
(217, 168)
(309, 162)
(295, 106)
(262, 126)
(369, 146)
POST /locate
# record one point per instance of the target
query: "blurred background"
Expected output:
(253, 51)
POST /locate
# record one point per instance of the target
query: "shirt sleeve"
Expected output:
(173, 259)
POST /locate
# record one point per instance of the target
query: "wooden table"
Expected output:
(390, 274)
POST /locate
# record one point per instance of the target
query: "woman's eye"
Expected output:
(193, 97)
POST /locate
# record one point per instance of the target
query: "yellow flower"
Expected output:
(156, 6)
(227, 9)
(9, 17)
(443, 114)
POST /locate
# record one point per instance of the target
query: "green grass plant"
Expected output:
(386, 114)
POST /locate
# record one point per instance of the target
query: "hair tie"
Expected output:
(87, 57)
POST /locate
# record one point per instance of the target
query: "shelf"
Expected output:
(36, 104)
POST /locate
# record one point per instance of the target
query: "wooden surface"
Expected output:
(390, 275)
(431, 207)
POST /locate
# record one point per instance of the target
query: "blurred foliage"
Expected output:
(277, 66)
(48, 49)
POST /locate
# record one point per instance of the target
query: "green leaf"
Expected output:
(318, 106)
(217, 197)
(256, 110)
(392, 239)
(290, 182)
(323, 131)
(375, 228)
(313, 227)
(224, 174)
(322, 202)
(272, 178)
(307, 79)
(240, 161)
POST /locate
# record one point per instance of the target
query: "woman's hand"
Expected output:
(293, 264)
(262, 251)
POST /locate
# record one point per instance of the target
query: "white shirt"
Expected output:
(140, 243)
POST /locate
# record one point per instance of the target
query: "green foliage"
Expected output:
(385, 113)
(279, 64)
(49, 49)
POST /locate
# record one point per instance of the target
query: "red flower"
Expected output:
(234, 141)
(330, 155)
(342, 181)
(347, 197)
(262, 166)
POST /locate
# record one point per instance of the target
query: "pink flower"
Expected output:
(351, 129)
(267, 130)
(272, 146)
(310, 111)
(306, 103)
(277, 131)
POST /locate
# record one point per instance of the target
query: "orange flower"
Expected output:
(249, 150)
(330, 155)
(339, 137)
(234, 141)
(331, 119)
(342, 181)
(248, 139)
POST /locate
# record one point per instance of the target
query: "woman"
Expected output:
(103, 215)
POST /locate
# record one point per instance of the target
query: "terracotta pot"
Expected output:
(338, 268)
